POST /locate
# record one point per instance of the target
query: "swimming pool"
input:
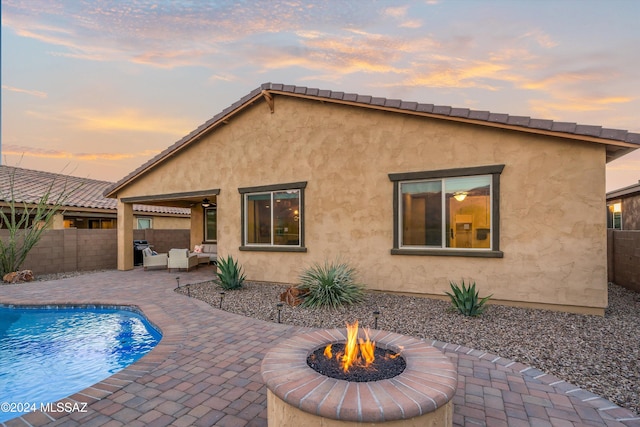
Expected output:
(47, 354)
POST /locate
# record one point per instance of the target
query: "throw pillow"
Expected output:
(197, 249)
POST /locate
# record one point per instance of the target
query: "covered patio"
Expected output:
(203, 206)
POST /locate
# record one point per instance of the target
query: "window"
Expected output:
(614, 215)
(144, 223)
(447, 212)
(211, 224)
(272, 217)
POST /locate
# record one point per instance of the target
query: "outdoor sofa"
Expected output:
(149, 259)
(181, 258)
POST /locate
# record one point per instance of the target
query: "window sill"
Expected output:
(273, 249)
(446, 252)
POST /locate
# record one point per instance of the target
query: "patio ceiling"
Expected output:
(180, 200)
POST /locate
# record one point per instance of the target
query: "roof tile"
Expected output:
(588, 130)
(633, 138)
(617, 134)
(498, 118)
(459, 112)
(442, 109)
(409, 105)
(378, 101)
(425, 108)
(563, 127)
(337, 95)
(540, 124)
(365, 99)
(479, 115)
(518, 120)
(30, 185)
(393, 103)
(350, 97)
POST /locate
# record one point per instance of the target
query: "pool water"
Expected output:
(47, 354)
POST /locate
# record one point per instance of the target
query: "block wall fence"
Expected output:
(623, 258)
(71, 249)
(83, 250)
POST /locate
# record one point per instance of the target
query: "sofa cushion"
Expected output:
(209, 248)
(147, 252)
(182, 253)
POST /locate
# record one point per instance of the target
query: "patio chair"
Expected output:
(151, 260)
(180, 258)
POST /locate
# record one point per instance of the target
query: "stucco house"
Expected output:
(412, 195)
(623, 208)
(86, 208)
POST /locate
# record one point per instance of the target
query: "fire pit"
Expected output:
(419, 395)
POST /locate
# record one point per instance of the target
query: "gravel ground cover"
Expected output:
(599, 354)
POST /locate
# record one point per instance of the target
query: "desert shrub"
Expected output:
(330, 285)
(26, 220)
(465, 299)
(230, 273)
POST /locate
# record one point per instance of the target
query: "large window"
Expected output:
(447, 212)
(273, 217)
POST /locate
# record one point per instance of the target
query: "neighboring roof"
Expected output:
(632, 190)
(618, 142)
(30, 185)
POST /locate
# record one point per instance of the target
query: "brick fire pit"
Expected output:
(298, 395)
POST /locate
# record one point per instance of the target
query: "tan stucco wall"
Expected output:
(57, 222)
(551, 199)
(163, 222)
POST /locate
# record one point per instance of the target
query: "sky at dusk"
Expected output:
(96, 88)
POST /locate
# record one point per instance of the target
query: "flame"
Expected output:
(357, 351)
(327, 352)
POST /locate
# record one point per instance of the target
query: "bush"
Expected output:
(230, 274)
(26, 220)
(465, 300)
(330, 285)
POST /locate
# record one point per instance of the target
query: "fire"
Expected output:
(357, 351)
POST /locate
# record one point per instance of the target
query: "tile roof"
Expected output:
(30, 185)
(619, 142)
(631, 190)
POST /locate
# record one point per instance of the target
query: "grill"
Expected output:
(138, 246)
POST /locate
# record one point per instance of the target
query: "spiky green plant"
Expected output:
(465, 299)
(330, 285)
(230, 274)
(27, 218)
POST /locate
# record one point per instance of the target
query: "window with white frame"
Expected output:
(447, 212)
(144, 223)
(272, 217)
(614, 215)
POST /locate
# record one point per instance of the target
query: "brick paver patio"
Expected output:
(206, 369)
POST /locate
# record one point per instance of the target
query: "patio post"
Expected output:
(125, 236)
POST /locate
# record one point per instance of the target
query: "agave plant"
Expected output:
(330, 285)
(230, 274)
(465, 299)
